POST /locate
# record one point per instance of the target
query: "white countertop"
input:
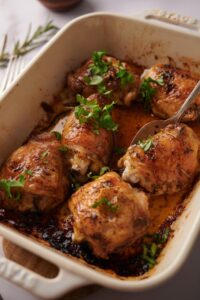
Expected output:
(15, 16)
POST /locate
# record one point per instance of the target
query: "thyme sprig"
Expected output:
(32, 41)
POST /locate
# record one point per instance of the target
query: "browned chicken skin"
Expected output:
(123, 95)
(41, 164)
(169, 163)
(87, 151)
(113, 223)
(178, 84)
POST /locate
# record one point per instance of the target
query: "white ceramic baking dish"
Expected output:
(145, 39)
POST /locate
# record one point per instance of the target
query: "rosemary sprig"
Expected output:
(4, 56)
(32, 41)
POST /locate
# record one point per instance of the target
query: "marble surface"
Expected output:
(15, 16)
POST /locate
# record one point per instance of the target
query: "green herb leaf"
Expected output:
(63, 149)
(97, 70)
(95, 80)
(148, 91)
(103, 90)
(98, 55)
(44, 154)
(146, 144)
(90, 112)
(152, 249)
(161, 238)
(104, 201)
(4, 55)
(102, 171)
(149, 254)
(28, 172)
(124, 76)
(151, 261)
(58, 135)
(99, 66)
(8, 184)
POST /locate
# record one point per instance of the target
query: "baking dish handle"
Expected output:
(170, 18)
(37, 284)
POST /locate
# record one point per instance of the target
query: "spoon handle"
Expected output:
(187, 103)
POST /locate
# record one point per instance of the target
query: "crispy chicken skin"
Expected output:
(168, 166)
(41, 164)
(108, 231)
(178, 84)
(87, 151)
(123, 95)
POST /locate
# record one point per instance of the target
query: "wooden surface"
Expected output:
(42, 267)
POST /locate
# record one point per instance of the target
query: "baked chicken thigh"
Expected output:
(88, 147)
(109, 214)
(165, 163)
(108, 76)
(175, 85)
(33, 177)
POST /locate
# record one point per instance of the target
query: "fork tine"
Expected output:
(18, 67)
(6, 77)
(12, 71)
(22, 65)
(15, 67)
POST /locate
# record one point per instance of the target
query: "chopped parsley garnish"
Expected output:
(44, 154)
(102, 171)
(149, 254)
(63, 149)
(91, 113)
(148, 91)
(28, 172)
(152, 249)
(104, 201)
(94, 80)
(103, 90)
(146, 144)
(98, 66)
(119, 150)
(97, 69)
(58, 135)
(161, 238)
(8, 184)
(125, 76)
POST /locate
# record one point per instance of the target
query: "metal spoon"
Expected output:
(151, 128)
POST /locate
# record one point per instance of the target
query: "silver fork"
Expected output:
(15, 66)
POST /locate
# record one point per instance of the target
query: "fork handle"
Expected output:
(178, 116)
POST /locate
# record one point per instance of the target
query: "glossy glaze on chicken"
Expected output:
(39, 167)
(87, 150)
(109, 214)
(111, 74)
(175, 86)
(166, 163)
(84, 195)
